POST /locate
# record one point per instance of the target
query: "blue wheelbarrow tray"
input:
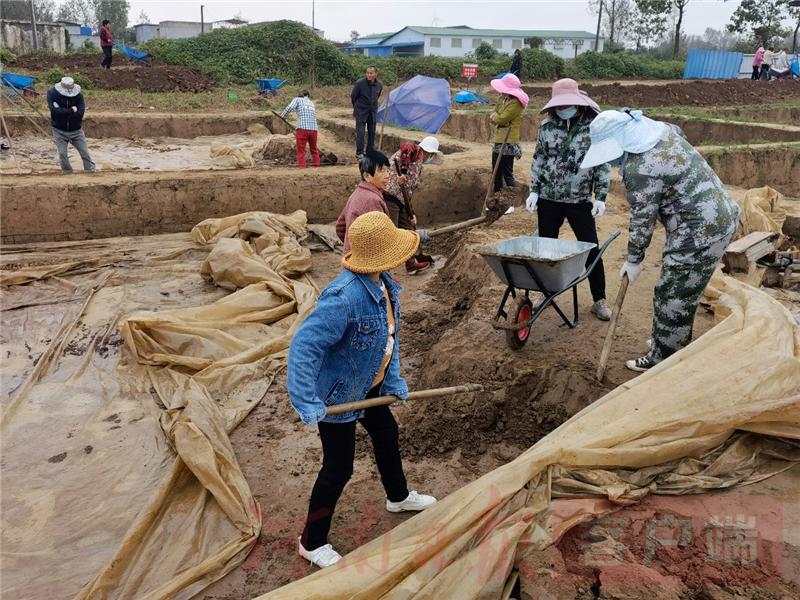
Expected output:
(556, 262)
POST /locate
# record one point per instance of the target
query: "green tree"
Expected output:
(615, 17)
(679, 7)
(648, 21)
(534, 42)
(78, 11)
(20, 10)
(762, 19)
(485, 51)
(116, 11)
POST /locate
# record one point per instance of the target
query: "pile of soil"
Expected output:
(280, 150)
(693, 93)
(122, 76)
(453, 342)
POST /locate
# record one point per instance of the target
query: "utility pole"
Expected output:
(202, 22)
(314, 48)
(597, 35)
(34, 36)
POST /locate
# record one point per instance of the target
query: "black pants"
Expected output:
(361, 122)
(106, 57)
(338, 452)
(764, 72)
(579, 217)
(505, 173)
(756, 72)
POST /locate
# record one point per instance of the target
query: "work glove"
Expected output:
(530, 203)
(74, 109)
(55, 105)
(423, 235)
(632, 270)
(598, 208)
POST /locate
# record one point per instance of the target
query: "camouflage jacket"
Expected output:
(555, 171)
(673, 183)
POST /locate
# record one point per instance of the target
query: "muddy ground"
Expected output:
(123, 75)
(693, 93)
(446, 339)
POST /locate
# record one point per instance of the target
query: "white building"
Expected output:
(78, 34)
(458, 41)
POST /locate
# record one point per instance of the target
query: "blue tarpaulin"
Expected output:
(468, 96)
(421, 102)
(712, 64)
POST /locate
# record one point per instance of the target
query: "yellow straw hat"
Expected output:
(376, 245)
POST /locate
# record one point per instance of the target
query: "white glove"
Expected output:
(598, 208)
(423, 235)
(632, 269)
(55, 104)
(530, 203)
(74, 109)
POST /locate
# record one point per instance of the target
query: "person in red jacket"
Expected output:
(106, 43)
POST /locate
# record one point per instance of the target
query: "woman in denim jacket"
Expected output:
(347, 350)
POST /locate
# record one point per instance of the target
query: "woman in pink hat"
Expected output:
(507, 116)
(560, 189)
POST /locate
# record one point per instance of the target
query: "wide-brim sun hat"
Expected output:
(68, 92)
(431, 145)
(614, 132)
(510, 84)
(566, 92)
(376, 245)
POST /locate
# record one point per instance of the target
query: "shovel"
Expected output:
(612, 326)
(338, 409)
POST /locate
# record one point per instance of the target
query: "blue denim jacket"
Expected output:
(338, 350)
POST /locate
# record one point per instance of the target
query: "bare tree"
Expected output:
(680, 8)
(615, 16)
(143, 18)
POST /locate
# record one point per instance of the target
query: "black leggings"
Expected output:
(579, 216)
(338, 452)
(505, 173)
(106, 57)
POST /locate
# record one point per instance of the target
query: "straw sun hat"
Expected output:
(376, 245)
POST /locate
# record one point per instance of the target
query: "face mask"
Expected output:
(567, 113)
(427, 161)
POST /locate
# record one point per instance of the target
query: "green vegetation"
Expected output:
(284, 49)
(7, 56)
(615, 65)
(55, 74)
(289, 50)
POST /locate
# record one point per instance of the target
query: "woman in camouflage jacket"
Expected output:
(560, 189)
(666, 180)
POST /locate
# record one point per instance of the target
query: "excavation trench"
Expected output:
(474, 126)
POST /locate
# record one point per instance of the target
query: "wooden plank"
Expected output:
(751, 239)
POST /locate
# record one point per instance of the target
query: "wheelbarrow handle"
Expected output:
(603, 248)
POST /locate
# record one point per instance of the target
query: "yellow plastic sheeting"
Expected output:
(119, 479)
(761, 210)
(671, 428)
(240, 156)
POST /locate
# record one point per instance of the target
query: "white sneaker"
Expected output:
(414, 501)
(601, 311)
(324, 556)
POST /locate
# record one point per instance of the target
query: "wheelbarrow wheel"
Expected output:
(523, 309)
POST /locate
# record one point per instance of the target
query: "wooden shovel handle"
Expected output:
(338, 409)
(612, 326)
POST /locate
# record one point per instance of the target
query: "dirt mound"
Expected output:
(280, 150)
(453, 342)
(122, 76)
(502, 200)
(694, 93)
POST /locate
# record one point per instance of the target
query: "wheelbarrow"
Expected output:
(270, 87)
(532, 263)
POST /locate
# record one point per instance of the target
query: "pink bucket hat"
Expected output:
(509, 84)
(566, 93)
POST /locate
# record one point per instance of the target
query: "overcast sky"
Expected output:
(338, 18)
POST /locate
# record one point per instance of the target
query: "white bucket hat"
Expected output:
(67, 87)
(431, 145)
(614, 132)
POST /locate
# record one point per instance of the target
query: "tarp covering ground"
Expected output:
(119, 479)
(724, 411)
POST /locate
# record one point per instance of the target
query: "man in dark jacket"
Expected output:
(66, 105)
(106, 43)
(364, 99)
